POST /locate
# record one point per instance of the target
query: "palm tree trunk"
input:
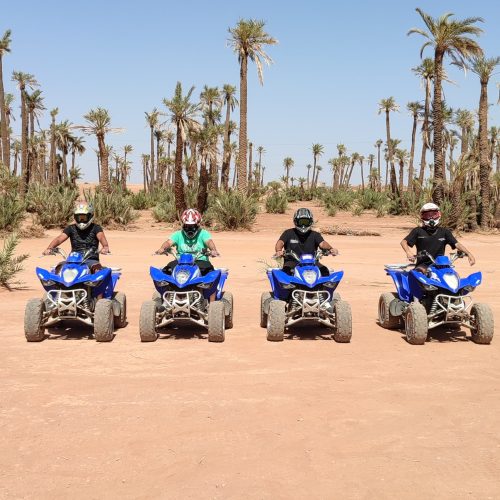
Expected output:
(425, 137)
(24, 145)
(379, 178)
(180, 200)
(394, 187)
(241, 163)
(412, 153)
(202, 192)
(308, 174)
(3, 123)
(103, 155)
(437, 114)
(152, 154)
(225, 152)
(362, 177)
(250, 151)
(484, 163)
(401, 176)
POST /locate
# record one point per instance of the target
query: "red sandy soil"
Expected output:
(305, 418)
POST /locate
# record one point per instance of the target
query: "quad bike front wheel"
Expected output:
(483, 323)
(227, 298)
(147, 321)
(33, 319)
(276, 320)
(265, 299)
(385, 318)
(216, 321)
(121, 320)
(416, 325)
(343, 321)
(103, 320)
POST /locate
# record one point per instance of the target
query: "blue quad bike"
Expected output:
(71, 292)
(185, 295)
(304, 296)
(438, 297)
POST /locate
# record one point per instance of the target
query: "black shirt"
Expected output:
(301, 243)
(432, 240)
(84, 239)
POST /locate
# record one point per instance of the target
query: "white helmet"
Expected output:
(83, 214)
(430, 215)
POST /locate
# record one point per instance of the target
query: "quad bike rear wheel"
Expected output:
(385, 318)
(216, 321)
(120, 321)
(103, 320)
(416, 325)
(483, 323)
(265, 299)
(276, 320)
(227, 298)
(147, 321)
(343, 321)
(33, 319)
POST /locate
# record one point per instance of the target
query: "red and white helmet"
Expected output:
(191, 216)
(430, 214)
(191, 220)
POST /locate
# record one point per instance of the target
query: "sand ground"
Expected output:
(305, 418)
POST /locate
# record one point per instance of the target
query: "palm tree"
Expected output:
(402, 157)
(16, 150)
(465, 120)
(52, 158)
(211, 102)
(308, 166)
(4, 129)
(77, 147)
(229, 99)
(127, 149)
(319, 168)
(338, 171)
(23, 80)
(448, 37)
(415, 108)
(379, 181)
(288, 164)
(152, 119)
(250, 152)
(483, 68)
(247, 39)
(183, 113)
(388, 105)
(317, 151)
(99, 124)
(260, 152)
(207, 147)
(361, 160)
(371, 159)
(145, 170)
(63, 142)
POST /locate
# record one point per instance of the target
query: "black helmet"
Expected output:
(303, 220)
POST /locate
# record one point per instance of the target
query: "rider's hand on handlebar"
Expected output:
(472, 260)
(104, 251)
(48, 251)
(333, 251)
(411, 257)
(279, 253)
(214, 253)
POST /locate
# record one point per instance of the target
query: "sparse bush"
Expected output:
(331, 210)
(233, 210)
(52, 205)
(357, 210)
(276, 203)
(10, 264)
(11, 211)
(341, 199)
(381, 208)
(370, 199)
(165, 211)
(141, 200)
(113, 208)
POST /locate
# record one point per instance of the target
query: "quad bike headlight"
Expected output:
(181, 277)
(331, 284)
(469, 288)
(204, 285)
(309, 277)
(451, 280)
(428, 287)
(69, 275)
(48, 282)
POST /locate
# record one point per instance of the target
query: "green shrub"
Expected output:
(233, 210)
(113, 208)
(370, 199)
(10, 265)
(276, 203)
(357, 210)
(141, 200)
(331, 210)
(52, 205)
(11, 211)
(165, 211)
(341, 199)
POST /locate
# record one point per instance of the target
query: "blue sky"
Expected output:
(334, 62)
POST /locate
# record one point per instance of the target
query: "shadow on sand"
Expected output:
(183, 330)
(312, 331)
(70, 330)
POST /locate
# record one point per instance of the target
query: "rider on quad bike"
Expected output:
(301, 240)
(84, 236)
(190, 239)
(430, 238)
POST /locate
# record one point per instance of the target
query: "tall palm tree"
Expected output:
(127, 149)
(378, 144)
(319, 168)
(183, 113)
(247, 39)
(308, 166)
(415, 108)
(448, 37)
(465, 120)
(77, 147)
(361, 160)
(402, 157)
(34, 107)
(207, 147)
(483, 68)
(211, 102)
(99, 124)
(338, 173)
(386, 106)
(229, 99)
(23, 80)
(52, 155)
(317, 151)
(4, 129)
(371, 171)
(152, 119)
(260, 152)
(63, 141)
(288, 164)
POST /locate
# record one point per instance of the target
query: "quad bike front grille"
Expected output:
(449, 308)
(309, 302)
(182, 304)
(69, 304)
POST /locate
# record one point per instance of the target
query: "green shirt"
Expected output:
(183, 244)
